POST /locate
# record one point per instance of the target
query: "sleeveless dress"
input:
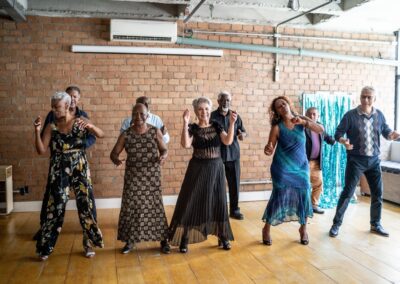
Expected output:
(68, 171)
(290, 199)
(142, 216)
(201, 207)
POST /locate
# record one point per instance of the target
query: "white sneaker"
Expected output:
(127, 248)
(89, 252)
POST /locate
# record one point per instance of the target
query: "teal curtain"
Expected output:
(331, 107)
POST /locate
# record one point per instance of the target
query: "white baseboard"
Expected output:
(110, 203)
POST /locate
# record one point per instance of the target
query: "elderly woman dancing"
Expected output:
(201, 208)
(142, 216)
(69, 171)
(290, 199)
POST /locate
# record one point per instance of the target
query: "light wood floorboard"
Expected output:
(355, 256)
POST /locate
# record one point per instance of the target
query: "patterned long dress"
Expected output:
(201, 207)
(290, 199)
(142, 216)
(68, 171)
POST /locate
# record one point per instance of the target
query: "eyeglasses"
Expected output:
(367, 97)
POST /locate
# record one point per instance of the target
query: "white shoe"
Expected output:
(127, 248)
(43, 257)
(89, 253)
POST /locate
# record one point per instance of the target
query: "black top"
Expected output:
(206, 141)
(231, 152)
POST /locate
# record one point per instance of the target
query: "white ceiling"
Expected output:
(374, 16)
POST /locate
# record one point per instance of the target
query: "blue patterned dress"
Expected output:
(290, 199)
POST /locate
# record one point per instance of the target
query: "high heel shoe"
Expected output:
(165, 248)
(303, 237)
(183, 247)
(266, 241)
(224, 243)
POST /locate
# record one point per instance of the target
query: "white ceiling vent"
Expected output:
(150, 31)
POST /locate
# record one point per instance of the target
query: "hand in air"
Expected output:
(233, 117)
(186, 116)
(37, 123)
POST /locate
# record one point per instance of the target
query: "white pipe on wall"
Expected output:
(146, 50)
(289, 51)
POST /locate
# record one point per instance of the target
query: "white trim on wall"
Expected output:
(110, 203)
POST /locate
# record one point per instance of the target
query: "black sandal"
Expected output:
(266, 241)
(226, 245)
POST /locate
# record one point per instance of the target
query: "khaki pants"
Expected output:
(316, 182)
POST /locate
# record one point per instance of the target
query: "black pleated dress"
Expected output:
(201, 209)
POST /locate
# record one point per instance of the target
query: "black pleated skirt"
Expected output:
(201, 209)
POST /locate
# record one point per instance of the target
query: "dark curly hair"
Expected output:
(274, 117)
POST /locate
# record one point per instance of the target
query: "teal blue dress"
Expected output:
(290, 198)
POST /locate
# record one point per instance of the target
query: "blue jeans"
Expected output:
(371, 168)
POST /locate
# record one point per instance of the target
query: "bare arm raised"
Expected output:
(186, 140)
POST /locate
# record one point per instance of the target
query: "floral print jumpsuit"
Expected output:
(68, 171)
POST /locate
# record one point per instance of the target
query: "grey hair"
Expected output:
(368, 89)
(224, 93)
(61, 96)
(200, 100)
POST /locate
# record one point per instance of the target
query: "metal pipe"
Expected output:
(194, 11)
(304, 13)
(297, 36)
(261, 181)
(276, 63)
(289, 51)
(397, 85)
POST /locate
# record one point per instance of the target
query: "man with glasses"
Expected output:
(363, 127)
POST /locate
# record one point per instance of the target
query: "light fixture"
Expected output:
(146, 50)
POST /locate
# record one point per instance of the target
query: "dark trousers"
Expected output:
(232, 172)
(371, 168)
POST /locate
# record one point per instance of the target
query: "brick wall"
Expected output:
(35, 61)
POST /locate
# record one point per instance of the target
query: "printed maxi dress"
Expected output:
(201, 207)
(68, 171)
(142, 216)
(290, 198)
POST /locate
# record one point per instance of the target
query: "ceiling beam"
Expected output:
(105, 9)
(317, 18)
(348, 4)
(14, 9)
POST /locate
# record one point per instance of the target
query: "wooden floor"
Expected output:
(355, 256)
